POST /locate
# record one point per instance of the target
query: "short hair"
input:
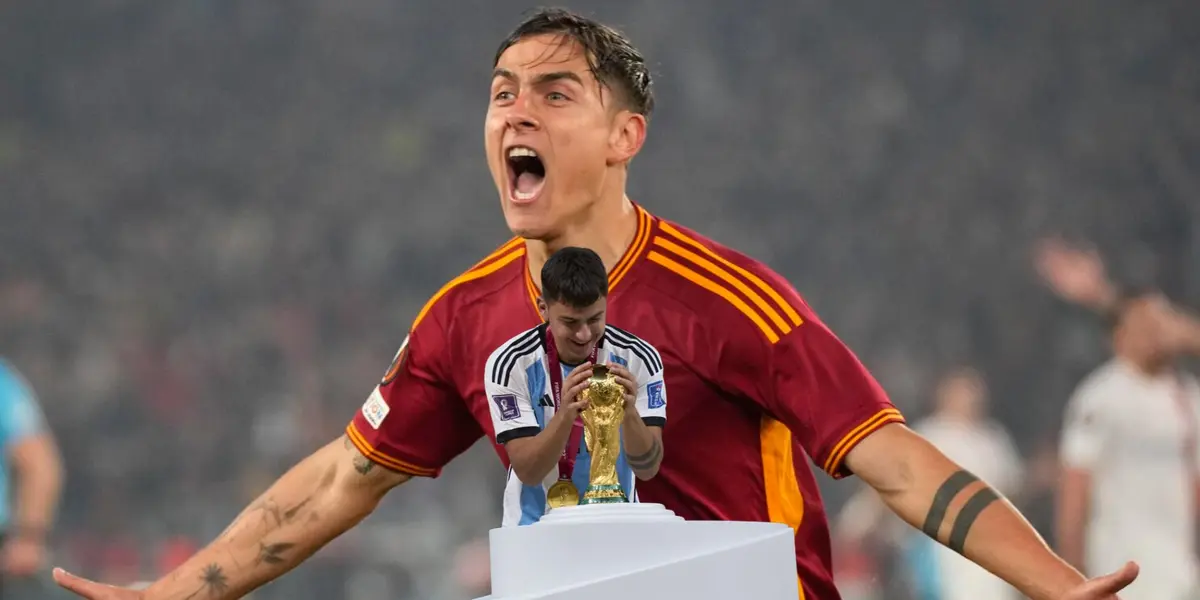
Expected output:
(574, 276)
(613, 60)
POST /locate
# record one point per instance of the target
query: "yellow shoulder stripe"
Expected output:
(712, 286)
(751, 277)
(487, 269)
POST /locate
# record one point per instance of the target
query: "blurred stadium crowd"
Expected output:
(217, 219)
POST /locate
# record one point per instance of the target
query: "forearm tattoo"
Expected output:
(647, 460)
(362, 464)
(967, 515)
(213, 583)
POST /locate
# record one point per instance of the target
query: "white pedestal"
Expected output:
(641, 551)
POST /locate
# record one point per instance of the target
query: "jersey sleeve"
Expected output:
(1084, 430)
(20, 415)
(652, 389)
(812, 383)
(509, 401)
(415, 421)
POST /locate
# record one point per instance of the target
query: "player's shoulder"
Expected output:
(498, 270)
(726, 285)
(515, 354)
(636, 353)
(1105, 381)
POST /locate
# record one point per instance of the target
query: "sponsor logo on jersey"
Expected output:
(397, 362)
(375, 410)
(655, 396)
(507, 403)
(613, 358)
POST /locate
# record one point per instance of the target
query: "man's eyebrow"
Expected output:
(540, 79)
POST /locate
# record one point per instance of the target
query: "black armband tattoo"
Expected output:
(942, 499)
(966, 516)
(647, 460)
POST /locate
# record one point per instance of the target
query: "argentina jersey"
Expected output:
(519, 396)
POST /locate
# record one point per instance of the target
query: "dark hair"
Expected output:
(611, 57)
(575, 276)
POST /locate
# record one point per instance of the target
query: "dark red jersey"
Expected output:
(757, 382)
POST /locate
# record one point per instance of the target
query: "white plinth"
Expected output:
(641, 551)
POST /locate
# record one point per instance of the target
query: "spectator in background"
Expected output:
(961, 428)
(1129, 457)
(30, 461)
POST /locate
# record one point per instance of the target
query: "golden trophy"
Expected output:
(602, 434)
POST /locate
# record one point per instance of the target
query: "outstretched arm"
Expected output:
(317, 500)
(930, 492)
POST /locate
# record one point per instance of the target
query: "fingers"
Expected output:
(1103, 588)
(78, 585)
(578, 374)
(1119, 579)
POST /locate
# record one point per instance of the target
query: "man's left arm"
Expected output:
(645, 416)
(845, 422)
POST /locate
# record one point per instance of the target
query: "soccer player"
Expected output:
(30, 458)
(1130, 458)
(535, 380)
(757, 381)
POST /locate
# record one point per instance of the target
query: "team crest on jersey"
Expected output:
(613, 358)
(655, 397)
(397, 362)
(375, 409)
(507, 403)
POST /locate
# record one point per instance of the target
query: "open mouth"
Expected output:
(526, 173)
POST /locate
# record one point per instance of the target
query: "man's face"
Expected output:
(575, 329)
(551, 133)
(1147, 324)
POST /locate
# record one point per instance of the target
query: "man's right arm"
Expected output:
(313, 503)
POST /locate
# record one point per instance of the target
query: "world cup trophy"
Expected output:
(602, 434)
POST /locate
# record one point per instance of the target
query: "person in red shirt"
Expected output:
(757, 382)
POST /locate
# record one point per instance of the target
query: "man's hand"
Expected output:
(1076, 274)
(626, 379)
(1106, 587)
(954, 507)
(573, 401)
(23, 556)
(91, 590)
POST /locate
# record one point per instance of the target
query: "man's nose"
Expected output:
(520, 118)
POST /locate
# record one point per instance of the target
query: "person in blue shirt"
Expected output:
(31, 476)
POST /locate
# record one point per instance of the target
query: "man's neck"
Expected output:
(1144, 366)
(607, 233)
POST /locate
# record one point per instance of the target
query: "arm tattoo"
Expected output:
(271, 554)
(274, 516)
(362, 464)
(970, 511)
(213, 581)
(647, 460)
(966, 517)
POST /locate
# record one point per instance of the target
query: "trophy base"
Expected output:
(604, 494)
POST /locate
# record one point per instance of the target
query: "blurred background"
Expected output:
(218, 219)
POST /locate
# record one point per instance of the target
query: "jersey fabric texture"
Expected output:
(518, 388)
(757, 383)
(20, 418)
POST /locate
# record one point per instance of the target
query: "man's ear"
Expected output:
(627, 138)
(541, 306)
